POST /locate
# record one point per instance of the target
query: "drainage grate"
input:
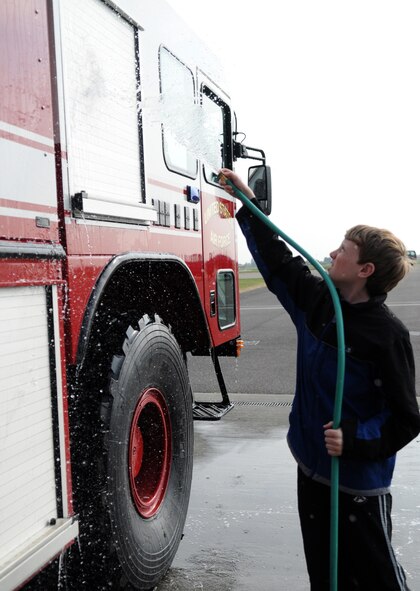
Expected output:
(258, 403)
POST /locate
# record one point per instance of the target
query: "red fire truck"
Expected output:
(118, 258)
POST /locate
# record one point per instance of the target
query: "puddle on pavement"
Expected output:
(242, 531)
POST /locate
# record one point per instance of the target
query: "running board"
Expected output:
(213, 411)
(210, 411)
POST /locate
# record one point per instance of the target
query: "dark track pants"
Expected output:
(366, 559)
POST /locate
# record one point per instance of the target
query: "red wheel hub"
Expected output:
(149, 453)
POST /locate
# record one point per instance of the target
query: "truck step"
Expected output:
(211, 411)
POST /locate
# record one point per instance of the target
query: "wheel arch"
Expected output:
(131, 285)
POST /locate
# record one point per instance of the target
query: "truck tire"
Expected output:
(149, 452)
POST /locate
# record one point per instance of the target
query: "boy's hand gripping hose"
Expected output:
(340, 371)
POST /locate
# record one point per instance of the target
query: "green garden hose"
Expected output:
(340, 373)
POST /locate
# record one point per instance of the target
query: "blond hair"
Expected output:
(385, 251)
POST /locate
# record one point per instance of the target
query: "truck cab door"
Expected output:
(218, 216)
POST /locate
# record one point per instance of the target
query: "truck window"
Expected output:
(226, 308)
(100, 78)
(177, 96)
(216, 118)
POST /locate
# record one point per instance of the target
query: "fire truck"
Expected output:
(118, 260)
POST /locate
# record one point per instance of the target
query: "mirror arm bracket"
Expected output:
(242, 151)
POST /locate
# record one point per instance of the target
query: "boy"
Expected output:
(380, 413)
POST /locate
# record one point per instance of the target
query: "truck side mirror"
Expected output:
(259, 179)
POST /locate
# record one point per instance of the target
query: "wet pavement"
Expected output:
(242, 531)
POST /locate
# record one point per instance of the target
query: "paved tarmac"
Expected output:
(242, 531)
(268, 360)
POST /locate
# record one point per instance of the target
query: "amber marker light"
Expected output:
(239, 346)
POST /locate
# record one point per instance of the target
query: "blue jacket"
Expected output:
(380, 414)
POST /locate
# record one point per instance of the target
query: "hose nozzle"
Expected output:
(216, 177)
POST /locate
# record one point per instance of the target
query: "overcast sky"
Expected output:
(330, 89)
